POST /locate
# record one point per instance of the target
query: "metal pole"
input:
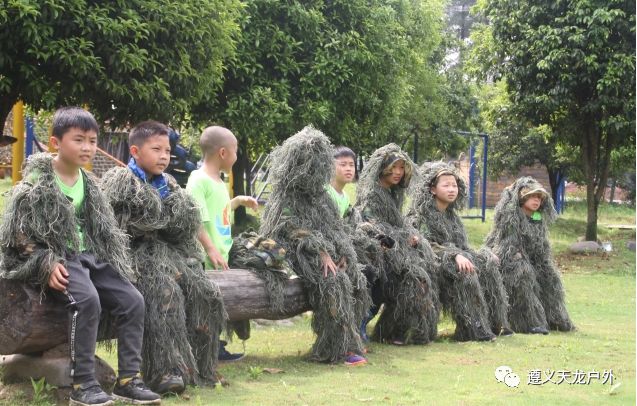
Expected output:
(18, 146)
(484, 176)
(30, 137)
(472, 164)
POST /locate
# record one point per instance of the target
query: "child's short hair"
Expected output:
(344, 152)
(66, 118)
(145, 130)
(213, 138)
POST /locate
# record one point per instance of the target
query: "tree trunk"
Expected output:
(29, 323)
(238, 187)
(6, 104)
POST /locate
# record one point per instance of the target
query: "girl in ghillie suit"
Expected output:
(470, 283)
(520, 239)
(184, 309)
(302, 217)
(409, 288)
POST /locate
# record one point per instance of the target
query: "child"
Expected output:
(184, 311)
(411, 310)
(302, 217)
(470, 282)
(344, 172)
(368, 250)
(219, 148)
(59, 231)
(520, 239)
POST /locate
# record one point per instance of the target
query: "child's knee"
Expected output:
(136, 306)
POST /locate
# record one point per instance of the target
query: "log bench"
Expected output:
(33, 331)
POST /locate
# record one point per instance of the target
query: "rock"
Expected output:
(585, 247)
(630, 245)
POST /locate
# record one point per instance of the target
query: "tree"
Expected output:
(128, 60)
(569, 65)
(346, 66)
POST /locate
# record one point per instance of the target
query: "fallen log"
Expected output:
(29, 323)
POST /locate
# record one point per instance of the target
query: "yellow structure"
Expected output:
(18, 146)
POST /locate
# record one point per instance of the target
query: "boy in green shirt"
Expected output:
(345, 170)
(59, 231)
(219, 147)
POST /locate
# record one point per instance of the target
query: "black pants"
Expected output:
(92, 286)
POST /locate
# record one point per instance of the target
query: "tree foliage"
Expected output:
(568, 65)
(127, 59)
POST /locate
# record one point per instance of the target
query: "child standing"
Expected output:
(520, 239)
(470, 282)
(302, 217)
(344, 172)
(184, 310)
(219, 148)
(59, 231)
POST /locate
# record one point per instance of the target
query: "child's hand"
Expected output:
(464, 265)
(328, 264)
(250, 202)
(217, 259)
(414, 240)
(495, 258)
(58, 279)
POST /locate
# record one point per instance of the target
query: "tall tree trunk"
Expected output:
(556, 177)
(238, 187)
(596, 160)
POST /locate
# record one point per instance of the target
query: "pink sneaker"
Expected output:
(352, 359)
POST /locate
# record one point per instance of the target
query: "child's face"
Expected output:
(446, 189)
(533, 202)
(228, 155)
(345, 169)
(76, 147)
(395, 175)
(153, 156)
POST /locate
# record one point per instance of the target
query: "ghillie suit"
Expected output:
(533, 284)
(39, 227)
(264, 257)
(184, 309)
(477, 301)
(302, 217)
(411, 309)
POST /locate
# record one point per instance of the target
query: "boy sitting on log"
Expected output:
(411, 311)
(184, 311)
(520, 237)
(470, 282)
(59, 232)
(303, 218)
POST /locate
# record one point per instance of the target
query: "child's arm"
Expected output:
(213, 253)
(247, 201)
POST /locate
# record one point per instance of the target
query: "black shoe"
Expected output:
(226, 356)
(538, 330)
(170, 383)
(135, 392)
(89, 394)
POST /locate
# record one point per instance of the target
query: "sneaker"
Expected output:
(538, 330)
(227, 356)
(506, 332)
(352, 359)
(89, 394)
(135, 392)
(170, 383)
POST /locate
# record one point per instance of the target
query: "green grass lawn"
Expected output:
(600, 293)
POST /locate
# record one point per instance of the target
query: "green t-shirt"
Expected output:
(76, 194)
(214, 204)
(340, 199)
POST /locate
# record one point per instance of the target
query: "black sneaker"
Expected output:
(89, 394)
(170, 383)
(538, 330)
(227, 356)
(135, 392)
